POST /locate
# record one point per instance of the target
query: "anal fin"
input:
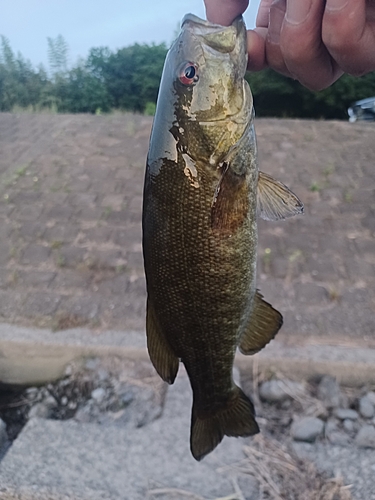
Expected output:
(275, 200)
(161, 354)
(263, 325)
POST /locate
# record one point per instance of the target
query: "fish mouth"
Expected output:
(221, 38)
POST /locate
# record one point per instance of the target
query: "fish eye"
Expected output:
(188, 73)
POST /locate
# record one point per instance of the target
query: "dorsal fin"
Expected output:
(275, 200)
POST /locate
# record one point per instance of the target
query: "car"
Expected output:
(362, 110)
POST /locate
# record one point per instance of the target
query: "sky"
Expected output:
(95, 23)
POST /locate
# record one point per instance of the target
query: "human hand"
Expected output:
(313, 41)
(224, 12)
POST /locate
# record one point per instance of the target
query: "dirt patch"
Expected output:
(70, 234)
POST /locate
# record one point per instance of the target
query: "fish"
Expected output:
(203, 193)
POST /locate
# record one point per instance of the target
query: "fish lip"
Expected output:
(205, 25)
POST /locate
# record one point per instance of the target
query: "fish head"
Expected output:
(204, 98)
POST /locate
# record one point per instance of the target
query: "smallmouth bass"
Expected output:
(202, 195)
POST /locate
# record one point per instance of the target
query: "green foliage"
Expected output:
(150, 109)
(128, 79)
(81, 92)
(279, 96)
(20, 84)
(132, 75)
(58, 54)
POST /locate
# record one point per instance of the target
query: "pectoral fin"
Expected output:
(263, 325)
(230, 205)
(161, 354)
(275, 200)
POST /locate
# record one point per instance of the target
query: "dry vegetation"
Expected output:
(281, 476)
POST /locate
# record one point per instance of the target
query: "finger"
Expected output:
(304, 53)
(348, 32)
(256, 41)
(263, 13)
(224, 12)
(274, 54)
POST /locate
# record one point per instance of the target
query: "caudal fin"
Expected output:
(235, 419)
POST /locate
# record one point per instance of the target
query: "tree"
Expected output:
(85, 93)
(132, 75)
(58, 54)
(279, 96)
(129, 79)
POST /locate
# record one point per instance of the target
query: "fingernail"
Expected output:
(336, 4)
(297, 11)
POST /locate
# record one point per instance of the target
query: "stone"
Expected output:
(366, 437)
(331, 426)
(31, 393)
(43, 409)
(307, 429)
(348, 425)
(366, 407)
(339, 438)
(102, 374)
(3, 432)
(98, 395)
(371, 397)
(329, 392)
(274, 391)
(92, 363)
(346, 414)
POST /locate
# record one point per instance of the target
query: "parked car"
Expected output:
(362, 110)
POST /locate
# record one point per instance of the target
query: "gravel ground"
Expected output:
(302, 423)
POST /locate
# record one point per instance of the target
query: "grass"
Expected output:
(120, 268)
(330, 168)
(279, 473)
(56, 244)
(52, 109)
(315, 187)
(282, 475)
(333, 294)
(60, 261)
(107, 212)
(21, 171)
(348, 196)
(13, 253)
(295, 255)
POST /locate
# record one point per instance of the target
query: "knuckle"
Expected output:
(337, 41)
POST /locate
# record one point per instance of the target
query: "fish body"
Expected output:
(201, 197)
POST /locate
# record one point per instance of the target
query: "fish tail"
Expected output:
(236, 418)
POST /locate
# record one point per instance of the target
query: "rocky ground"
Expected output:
(296, 419)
